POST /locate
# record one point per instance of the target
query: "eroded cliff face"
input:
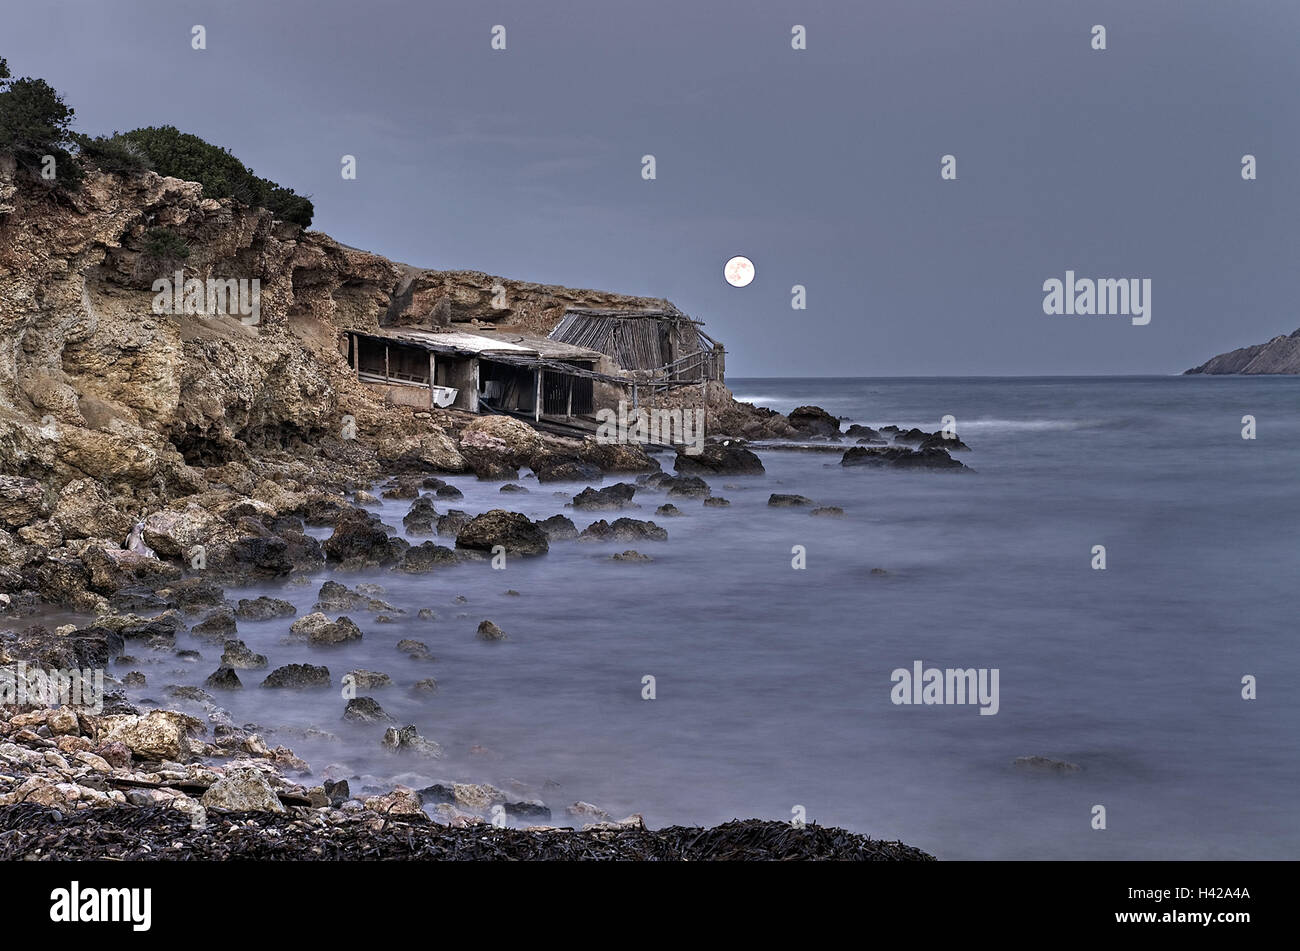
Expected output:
(1279, 355)
(113, 410)
(94, 382)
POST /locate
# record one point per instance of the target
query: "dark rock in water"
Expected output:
(1043, 764)
(424, 558)
(320, 509)
(617, 456)
(369, 679)
(513, 488)
(192, 595)
(449, 492)
(858, 431)
(814, 421)
(778, 500)
(488, 631)
(319, 629)
(409, 740)
(668, 510)
(338, 792)
(683, 487)
(91, 647)
(624, 530)
(879, 571)
(420, 518)
(298, 676)
(558, 528)
(491, 470)
(719, 458)
(513, 530)
(562, 467)
(404, 490)
(135, 679)
(452, 523)
(224, 678)
(832, 511)
(217, 626)
(238, 655)
(527, 809)
(898, 457)
(433, 482)
(416, 650)
(359, 537)
(366, 710)
(630, 556)
(716, 501)
(940, 441)
(615, 496)
(264, 609)
(338, 597)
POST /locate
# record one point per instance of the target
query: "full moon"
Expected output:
(739, 271)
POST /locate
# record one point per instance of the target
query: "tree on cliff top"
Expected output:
(181, 155)
(35, 128)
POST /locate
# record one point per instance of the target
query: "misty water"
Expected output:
(773, 684)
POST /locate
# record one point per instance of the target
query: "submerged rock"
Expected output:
(297, 676)
(264, 608)
(513, 530)
(615, 496)
(814, 421)
(777, 500)
(488, 631)
(898, 457)
(719, 458)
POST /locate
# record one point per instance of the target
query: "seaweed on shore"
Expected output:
(159, 833)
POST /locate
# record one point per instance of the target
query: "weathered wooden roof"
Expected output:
(486, 343)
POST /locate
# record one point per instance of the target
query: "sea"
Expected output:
(1119, 553)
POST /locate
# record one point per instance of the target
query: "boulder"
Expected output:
(899, 457)
(297, 676)
(778, 500)
(615, 496)
(264, 609)
(245, 790)
(423, 558)
(814, 421)
(719, 458)
(488, 631)
(513, 530)
(158, 735)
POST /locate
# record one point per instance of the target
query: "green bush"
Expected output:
(113, 154)
(165, 246)
(35, 123)
(186, 156)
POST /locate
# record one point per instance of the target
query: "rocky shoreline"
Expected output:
(150, 459)
(157, 761)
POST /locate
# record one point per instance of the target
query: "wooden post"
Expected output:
(537, 401)
(385, 363)
(356, 352)
(568, 408)
(433, 377)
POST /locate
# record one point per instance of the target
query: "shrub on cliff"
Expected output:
(181, 155)
(113, 153)
(35, 128)
(165, 246)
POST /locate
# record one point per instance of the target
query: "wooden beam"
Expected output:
(537, 399)
(385, 363)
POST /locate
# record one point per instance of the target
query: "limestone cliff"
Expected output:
(1279, 355)
(95, 383)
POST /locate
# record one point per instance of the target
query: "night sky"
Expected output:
(822, 165)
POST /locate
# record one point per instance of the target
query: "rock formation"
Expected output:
(1279, 355)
